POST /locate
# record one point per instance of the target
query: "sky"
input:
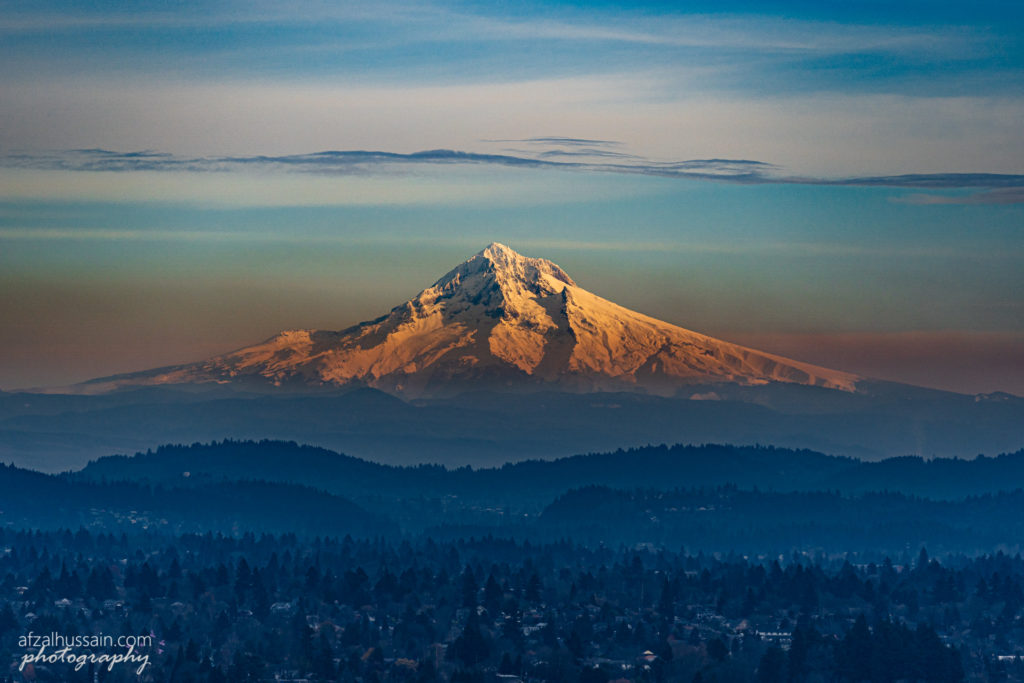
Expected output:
(842, 183)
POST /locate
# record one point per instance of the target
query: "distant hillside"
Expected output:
(537, 481)
(35, 500)
(713, 497)
(487, 429)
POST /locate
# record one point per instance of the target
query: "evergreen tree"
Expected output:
(471, 647)
(772, 668)
(854, 653)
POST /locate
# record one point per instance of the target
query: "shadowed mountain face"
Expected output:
(497, 321)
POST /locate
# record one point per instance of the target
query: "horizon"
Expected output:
(839, 186)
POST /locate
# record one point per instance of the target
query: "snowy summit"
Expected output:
(497, 320)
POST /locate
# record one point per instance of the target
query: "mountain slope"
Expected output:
(498, 320)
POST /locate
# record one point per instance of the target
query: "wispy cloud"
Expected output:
(470, 43)
(997, 188)
(1006, 195)
(564, 147)
(577, 142)
(938, 180)
(745, 32)
(586, 152)
(440, 21)
(368, 161)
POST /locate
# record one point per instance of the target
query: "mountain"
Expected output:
(504, 358)
(499, 320)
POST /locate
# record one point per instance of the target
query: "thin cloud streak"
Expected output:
(753, 33)
(1009, 195)
(1002, 188)
(561, 141)
(365, 161)
(805, 249)
(440, 23)
(586, 152)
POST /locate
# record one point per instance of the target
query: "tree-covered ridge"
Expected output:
(35, 500)
(775, 500)
(765, 467)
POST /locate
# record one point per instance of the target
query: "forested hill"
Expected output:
(34, 500)
(659, 467)
(714, 498)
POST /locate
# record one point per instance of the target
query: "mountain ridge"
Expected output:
(654, 467)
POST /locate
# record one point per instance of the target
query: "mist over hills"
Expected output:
(58, 432)
(31, 499)
(711, 498)
(504, 358)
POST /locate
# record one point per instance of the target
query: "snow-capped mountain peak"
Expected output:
(499, 319)
(501, 267)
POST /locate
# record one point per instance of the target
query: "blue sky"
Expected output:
(841, 183)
